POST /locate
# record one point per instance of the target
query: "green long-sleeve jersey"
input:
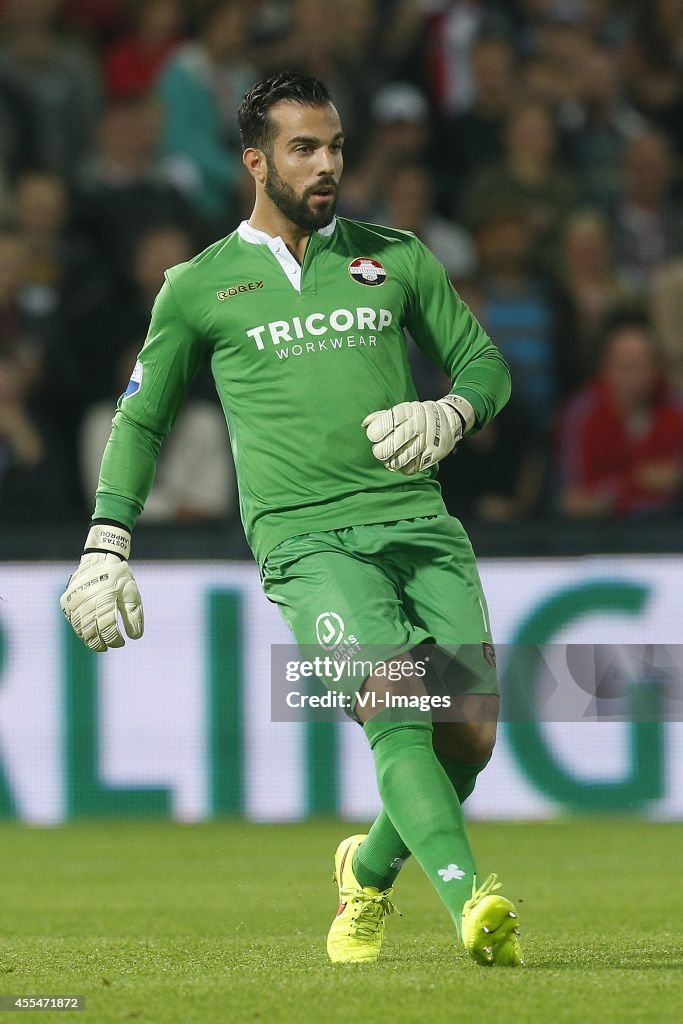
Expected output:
(300, 355)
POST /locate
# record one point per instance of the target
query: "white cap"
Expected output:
(399, 101)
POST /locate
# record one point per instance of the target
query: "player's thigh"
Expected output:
(442, 587)
(335, 601)
(442, 592)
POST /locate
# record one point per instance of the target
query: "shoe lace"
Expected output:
(490, 886)
(374, 908)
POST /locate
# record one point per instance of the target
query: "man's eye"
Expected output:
(336, 147)
(304, 149)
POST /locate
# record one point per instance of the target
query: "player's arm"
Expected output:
(412, 436)
(103, 585)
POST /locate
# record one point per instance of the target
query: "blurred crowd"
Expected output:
(535, 145)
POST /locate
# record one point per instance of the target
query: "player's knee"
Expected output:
(479, 743)
(394, 686)
(468, 742)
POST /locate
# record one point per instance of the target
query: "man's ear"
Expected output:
(255, 162)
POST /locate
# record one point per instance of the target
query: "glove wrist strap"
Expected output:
(463, 409)
(110, 539)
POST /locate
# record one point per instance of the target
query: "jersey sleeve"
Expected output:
(446, 330)
(145, 413)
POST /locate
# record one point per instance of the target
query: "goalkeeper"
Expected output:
(301, 316)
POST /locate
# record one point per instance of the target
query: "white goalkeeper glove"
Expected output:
(102, 586)
(412, 436)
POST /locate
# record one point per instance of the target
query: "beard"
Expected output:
(297, 208)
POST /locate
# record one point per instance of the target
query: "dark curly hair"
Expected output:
(256, 128)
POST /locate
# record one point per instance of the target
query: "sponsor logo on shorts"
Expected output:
(367, 271)
(135, 381)
(238, 289)
(489, 652)
(329, 629)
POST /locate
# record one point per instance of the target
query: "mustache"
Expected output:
(322, 183)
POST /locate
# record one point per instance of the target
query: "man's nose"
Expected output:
(326, 162)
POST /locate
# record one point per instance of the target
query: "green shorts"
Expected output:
(378, 591)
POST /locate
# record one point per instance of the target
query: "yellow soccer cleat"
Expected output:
(490, 927)
(358, 929)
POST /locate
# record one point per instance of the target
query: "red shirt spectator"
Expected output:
(132, 63)
(621, 437)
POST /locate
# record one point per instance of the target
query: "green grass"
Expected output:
(172, 924)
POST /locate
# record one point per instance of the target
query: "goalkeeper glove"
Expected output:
(412, 436)
(102, 586)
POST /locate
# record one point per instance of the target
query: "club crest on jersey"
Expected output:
(135, 380)
(367, 271)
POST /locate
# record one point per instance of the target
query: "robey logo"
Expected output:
(238, 289)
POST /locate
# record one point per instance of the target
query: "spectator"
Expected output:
(652, 65)
(647, 218)
(591, 286)
(517, 307)
(544, 83)
(620, 439)
(34, 483)
(554, 38)
(528, 176)
(410, 205)
(561, 36)
(402, 41)
(498, 473)
(40, 214)
(20, 442)
(132, 63)
(59, 282)
(57, 79)
(18, 144)
(402, 129)
(476, 135)
(126, 188)
(357, 67)
(60, 285)
(99, 21)
(200, 89)
(20, 344)
(41, 373)
(155, 251)
(194, 481)
(599, 124)
(602, 21)
(352, 60)
(453, 26)
(84, 366)
(35, 479)
(667, 316)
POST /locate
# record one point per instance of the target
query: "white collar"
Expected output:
(256, 237)
(290, 267)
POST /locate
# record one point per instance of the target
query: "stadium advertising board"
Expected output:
(179, 723)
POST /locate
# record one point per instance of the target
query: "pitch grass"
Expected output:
(173, 924)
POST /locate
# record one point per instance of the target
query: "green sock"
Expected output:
(380, 857)
(422, 804)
